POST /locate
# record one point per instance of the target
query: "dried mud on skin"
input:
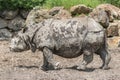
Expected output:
(26, 66)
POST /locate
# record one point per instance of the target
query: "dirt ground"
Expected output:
(25, 66)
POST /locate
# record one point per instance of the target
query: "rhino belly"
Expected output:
(69, 48)
(68, 52)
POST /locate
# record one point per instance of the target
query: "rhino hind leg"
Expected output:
(87, 58)
(48, 62)
(105, 56)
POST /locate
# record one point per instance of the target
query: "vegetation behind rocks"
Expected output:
(114, 2)
(16, 4)
(29, 4)
(68, 3)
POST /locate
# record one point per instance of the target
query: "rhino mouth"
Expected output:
(15, 50)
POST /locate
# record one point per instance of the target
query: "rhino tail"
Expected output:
(105, 44)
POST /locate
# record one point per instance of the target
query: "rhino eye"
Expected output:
(15, 42)
(18, 41)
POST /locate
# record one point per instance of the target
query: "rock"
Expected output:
(5, 34)
(62, 14)
(36, 16)
(1, 12)
(105, 13)
(24, 13)
(113, 11)
(3, 23)
(9, 14)
(113, 30)
(119, 27)
(59, 13)
(82, 15)
(55, 10)
(16, 24)
(78, 9)
(100, 16)
(30, 18)
(113, 42)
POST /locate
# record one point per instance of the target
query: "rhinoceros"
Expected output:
(68, 38)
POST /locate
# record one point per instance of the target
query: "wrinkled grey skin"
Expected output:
(68, 38)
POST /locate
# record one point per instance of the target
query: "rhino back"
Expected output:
(91, 24)
(94, 26)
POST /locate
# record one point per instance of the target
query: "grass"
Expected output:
(68, 3)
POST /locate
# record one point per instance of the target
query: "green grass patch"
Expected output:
(18, 4)
(114, 2)
(68, 3)
(29, 4)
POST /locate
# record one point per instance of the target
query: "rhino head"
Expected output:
(18, 44)
(22, 42)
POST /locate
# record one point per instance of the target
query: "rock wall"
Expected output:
(11, 21)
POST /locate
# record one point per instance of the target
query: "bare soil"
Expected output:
(26, 66)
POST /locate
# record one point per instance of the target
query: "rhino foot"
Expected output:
(44, 68)
(54, 66)
(81, 67)
(51, 67)
(104, 67)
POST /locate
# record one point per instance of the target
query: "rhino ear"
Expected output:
(26, 38)
(13, 35)
(24, 29)
(33, 47)
(31, 44)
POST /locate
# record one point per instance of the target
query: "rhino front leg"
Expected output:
(87, 58)
(48, 62)
(45, 63)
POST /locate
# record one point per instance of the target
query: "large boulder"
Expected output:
(119, 28)
(114, 12)
(55, 10)
(79, 9)
(16, 24)
(37, 15)
(3, 23)
(9, 14)
(105, 13)
(62, 14)
(59, 13)
(5, 34)
(113, 29)
(101, 16)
